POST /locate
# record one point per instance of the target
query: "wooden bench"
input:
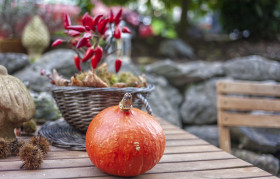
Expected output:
(236, 102)
(185, 156)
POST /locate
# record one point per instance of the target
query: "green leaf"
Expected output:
(170, 33)
(158, 26)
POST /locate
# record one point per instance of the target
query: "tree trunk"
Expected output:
(184, 23)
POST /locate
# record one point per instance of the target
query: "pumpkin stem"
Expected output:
(126, 102)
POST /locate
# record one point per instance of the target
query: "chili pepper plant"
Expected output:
(85, 40)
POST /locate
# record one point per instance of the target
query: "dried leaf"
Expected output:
(76, 82)
(119, 85)
(143, 80)
(59, 80)
(92, 80)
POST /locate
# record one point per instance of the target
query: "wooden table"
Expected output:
(185, 156)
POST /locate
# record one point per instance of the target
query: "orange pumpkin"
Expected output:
(124, 141)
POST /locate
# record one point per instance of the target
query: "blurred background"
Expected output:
(214, 29)
(183, 46)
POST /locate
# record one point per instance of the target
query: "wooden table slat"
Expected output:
(185, 156)
(85, 162)
(159, 168)
(249, 172)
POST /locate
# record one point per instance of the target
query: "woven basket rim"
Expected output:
(74, 89)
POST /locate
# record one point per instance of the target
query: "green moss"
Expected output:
(29, 127)
(113, 79)
(124, 76)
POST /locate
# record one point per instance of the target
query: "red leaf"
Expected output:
(77, 62)
(94, 62)
(73, 33)
(101, 26)
(118, 17)
(118, 64)
(111, 16)
(79, 28)
(82, 42)
(86, 20)
(67, 21)
(89, 53)
(57, 42)
(126, 30)
(98, 52)
(117, 33)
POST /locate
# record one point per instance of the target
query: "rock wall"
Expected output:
(198, 113)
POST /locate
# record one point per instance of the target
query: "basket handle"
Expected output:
(145, 102)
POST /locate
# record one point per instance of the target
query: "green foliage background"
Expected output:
(260, 17)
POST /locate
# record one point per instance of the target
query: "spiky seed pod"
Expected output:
(14, 146)
(42, 143)
(29, 127)
(31, 155)
(4, 148)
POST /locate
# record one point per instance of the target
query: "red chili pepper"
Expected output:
(88, 44)
(67, 21)
(77, 62)
(73, 33)
(98, 52)
(101, 26)
(96, 20)
(145, 31)
(87, 35)
(86, 20)
(94, 62)
(111, 16)
(118, 17)
(82, 42)
(126, 30)
(79, 28)
(89, 53)
(104, 30)
(57, 42)
(74, 42)
(117, 33)
(118, 64)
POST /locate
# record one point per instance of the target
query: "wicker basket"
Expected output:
(78, 105)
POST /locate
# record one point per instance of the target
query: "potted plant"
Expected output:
(95, 88)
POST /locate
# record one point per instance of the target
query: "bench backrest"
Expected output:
(238, 101)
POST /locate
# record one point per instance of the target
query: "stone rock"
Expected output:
(165, 100)
(208, 133)
(176, 48)
(46, 109)
(258, 139)
(200, 105)
(180, 74)
(61, 60)
(14, 61)
(255, 68)
(266, 162)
